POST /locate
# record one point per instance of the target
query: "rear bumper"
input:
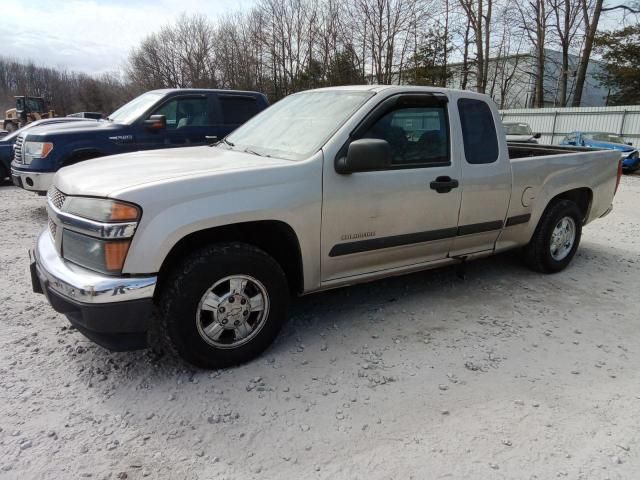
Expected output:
(607, 211)
(114, 312)
(33, 181)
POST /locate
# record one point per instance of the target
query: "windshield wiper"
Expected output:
(231, 144)
(248, 150)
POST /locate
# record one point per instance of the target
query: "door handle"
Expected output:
(444, 184)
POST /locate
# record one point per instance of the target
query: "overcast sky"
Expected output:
(95, 36)
(91, 36)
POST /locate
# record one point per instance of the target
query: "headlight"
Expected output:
(97, 232)
(36, 150)
(105, 256)
(101, 210)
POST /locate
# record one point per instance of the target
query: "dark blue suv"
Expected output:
(156, 119)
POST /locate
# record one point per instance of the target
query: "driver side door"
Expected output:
(188, 123)
(394, 217)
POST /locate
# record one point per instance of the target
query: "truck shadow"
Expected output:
(347, 317)
(38, 214)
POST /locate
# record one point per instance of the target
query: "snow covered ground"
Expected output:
(506, 374)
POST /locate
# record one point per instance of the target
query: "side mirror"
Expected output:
(630, 144)
(156, 122)
(365, 155)
(537, 135)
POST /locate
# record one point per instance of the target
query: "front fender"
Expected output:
(173, 210)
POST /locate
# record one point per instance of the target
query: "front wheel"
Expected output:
(556, 238)
(224, 305)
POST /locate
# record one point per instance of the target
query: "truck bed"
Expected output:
(522, 150)
(541, 170)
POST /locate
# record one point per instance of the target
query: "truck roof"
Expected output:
(404, 88)
(204, 90)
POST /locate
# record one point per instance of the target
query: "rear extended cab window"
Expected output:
(478, 131)
(237, 109)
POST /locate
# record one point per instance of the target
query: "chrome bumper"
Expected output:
(33, 181)
(84, 286)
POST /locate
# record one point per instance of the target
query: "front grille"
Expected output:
(53, 228)
(56, 197)
(17, 149)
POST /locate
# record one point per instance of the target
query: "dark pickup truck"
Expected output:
(156, 119)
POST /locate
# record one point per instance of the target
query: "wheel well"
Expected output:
(272, 236)
(580, 196)
(81, 155)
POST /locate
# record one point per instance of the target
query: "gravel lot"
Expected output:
(507, 374)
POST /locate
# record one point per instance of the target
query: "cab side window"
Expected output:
(418, 136)
(185, 112)
(478, 131)
(571, 139)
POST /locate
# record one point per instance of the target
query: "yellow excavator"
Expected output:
(27, 110)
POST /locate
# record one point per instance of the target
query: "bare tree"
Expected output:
(567, 22)
(534, 19)
(479, 14)
(179, 55)
(383, 27)
(591, 16)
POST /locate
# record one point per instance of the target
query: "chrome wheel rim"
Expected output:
(562, 238)
(232, 311)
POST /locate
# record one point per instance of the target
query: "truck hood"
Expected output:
(103, 177)
(47, 131)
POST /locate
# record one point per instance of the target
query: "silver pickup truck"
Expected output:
(325, 188)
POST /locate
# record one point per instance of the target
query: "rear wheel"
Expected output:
(224, 305)
(556, 238)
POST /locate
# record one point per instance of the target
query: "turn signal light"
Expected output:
(114, 255)
(122, 212)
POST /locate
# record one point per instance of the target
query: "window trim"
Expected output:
(395, 102)
(462, 131)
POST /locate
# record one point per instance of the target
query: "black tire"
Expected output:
(537, 254)
(181, 296)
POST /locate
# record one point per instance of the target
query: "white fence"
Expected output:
(555, 123)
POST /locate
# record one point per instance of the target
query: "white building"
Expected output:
(513, 77)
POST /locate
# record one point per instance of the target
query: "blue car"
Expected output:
(608, 141)
(165, 118)
(7, 141)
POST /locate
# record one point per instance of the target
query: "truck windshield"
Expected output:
(131, 111)
(297, 126)
(603, 137)
(517, 129)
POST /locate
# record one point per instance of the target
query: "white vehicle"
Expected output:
(326, 188)
(520, 133)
